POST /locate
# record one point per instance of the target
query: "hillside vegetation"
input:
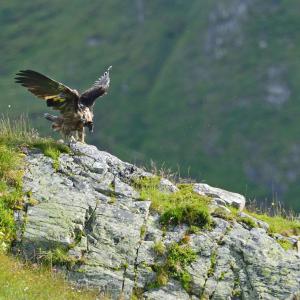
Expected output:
(21, 281)
(212, 85)
(40, 219)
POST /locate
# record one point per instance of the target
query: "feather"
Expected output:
(98, 89)
(55, 93)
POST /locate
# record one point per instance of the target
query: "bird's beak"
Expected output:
(90, 126)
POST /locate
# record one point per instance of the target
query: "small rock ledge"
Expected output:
(90, 207)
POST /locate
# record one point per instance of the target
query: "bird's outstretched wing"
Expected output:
(57, 95)
(99, 88)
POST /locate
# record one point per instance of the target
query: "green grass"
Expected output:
(58, 257)
(10, 193)
(248, 221)
(286, 245)
(213, 261)
(51, 149)
(184, 206)
(21, 281)
(159, 248)
(175, 258)
(277, 224)
(178, 258)
(15, 136)
(17, 131)
(223, 214)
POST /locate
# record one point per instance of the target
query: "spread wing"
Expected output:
(99, 88)
(89, 97)
(57, 95)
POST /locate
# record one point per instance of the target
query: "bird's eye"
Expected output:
(105, 73)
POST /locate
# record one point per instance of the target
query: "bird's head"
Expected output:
(90, 126)
(104, 80)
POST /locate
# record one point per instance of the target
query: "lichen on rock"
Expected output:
(114, 244)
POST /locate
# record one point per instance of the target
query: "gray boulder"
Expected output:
(90, 208)
(222, 197)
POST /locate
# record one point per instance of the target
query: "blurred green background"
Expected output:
(210, 87)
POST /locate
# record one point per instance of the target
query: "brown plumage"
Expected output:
(76, 110)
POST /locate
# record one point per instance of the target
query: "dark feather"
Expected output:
(99, 88)
(89, 96)
(58, 95)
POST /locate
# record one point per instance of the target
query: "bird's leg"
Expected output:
(81, 134)
(76, 135)
(72, 139)
(63, 136)
(67, 136)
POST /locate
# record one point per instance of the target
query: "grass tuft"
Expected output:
(162, 277)
(286, 245)
(279, 224)
(213, 261)
(16, 132)
(51, 149)
(176, 258)
(248, 221)
(58, 257)
(184, 206)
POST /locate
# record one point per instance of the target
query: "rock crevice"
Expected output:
(90, 207)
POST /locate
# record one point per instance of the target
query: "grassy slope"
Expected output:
(19, 281)
(171, 99)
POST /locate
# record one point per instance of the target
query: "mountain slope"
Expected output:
(212, 85)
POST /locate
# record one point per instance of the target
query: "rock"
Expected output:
(232, 199)
(258, 223)
(166, 185)
(90, 208)
(220, 210)
(171, 291)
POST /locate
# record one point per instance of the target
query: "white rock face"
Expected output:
(221, 196)
(90, 208)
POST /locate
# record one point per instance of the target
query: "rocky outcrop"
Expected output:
(90, 208)
(220, 196)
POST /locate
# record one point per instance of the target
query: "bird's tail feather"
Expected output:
(50, 117)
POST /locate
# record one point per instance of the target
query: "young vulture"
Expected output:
(76, 110)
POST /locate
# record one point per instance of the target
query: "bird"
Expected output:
(76, 109)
